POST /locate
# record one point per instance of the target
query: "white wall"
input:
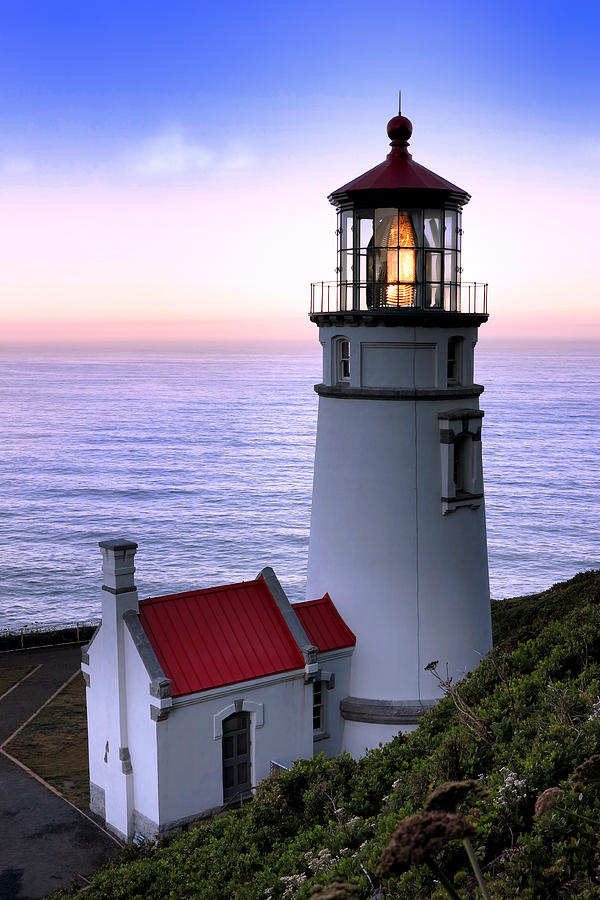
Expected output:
(107, 715)
(190, 760)
(142, 736)
(411, 582)
(337, 662)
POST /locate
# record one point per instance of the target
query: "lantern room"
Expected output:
(399, 240)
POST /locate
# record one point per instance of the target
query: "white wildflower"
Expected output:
(292, 883)
(595, 713)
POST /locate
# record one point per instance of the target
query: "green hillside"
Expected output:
(523, 722)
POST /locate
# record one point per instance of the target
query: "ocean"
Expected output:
(204, 457)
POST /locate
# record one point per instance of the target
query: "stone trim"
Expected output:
(86, 678)
(354, 393)
(464, 498)
(238, 706)
(85, 650)
(158, 714)
(122, 590)
(118, 544)
(224, 691)
(384, 712)
(144, 826)
(160, 685)
(291, 619)
(98, 800)
(125, 758)
(403, 318)
(451, 414)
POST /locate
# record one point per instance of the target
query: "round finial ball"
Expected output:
(399, 128)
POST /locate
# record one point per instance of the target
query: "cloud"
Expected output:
(172, 153)
(14, 166)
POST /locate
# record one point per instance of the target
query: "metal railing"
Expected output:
(46, 634)
(352, 296)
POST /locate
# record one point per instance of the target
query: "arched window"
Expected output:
(342, 360)
(454, 360)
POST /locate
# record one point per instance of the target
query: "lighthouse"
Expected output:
(398, 535)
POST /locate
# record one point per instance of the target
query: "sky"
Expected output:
(164, 167)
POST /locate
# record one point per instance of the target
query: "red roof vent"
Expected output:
(323, 624)
(210, 638)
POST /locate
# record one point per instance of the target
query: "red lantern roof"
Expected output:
(236, 632)
(398, 172)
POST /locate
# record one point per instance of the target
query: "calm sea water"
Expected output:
(205, 458)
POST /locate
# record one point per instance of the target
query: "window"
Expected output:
(236, 755)
(318, 707)
(462, 468)
(460, 455)
(454, 360)
(342, 360)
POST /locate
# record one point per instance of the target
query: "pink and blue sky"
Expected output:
(164, 167)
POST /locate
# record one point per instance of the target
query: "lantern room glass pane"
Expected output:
(363, 274)
(364, 226)
(450, 265)
(432, 228)
(381, 264)
(386, 227)
(347, 266)
(433, 295)
(416, 220)
(433, 266)
(347, 232)
(450, 297)
(450, 229)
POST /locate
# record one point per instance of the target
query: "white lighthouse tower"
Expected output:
(398, 536)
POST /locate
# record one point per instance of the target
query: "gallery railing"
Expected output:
(352, 296)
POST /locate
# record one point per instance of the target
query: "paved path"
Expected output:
(45, 842)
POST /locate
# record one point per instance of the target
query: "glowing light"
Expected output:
(401, 262)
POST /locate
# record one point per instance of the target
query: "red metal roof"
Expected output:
(398, 171)
(323, 624)
(218, 636)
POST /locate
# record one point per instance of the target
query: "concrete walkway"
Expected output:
(45, 843)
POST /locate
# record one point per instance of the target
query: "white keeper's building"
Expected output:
(195, 697)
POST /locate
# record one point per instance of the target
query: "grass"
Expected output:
(9, 677)
(54, 745)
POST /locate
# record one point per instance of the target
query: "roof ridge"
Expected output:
(312, 602)
(207, 590)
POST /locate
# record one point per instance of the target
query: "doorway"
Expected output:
(236, 755)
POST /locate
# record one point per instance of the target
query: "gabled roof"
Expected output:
(236, 632)
(324, 625)
(219, 636)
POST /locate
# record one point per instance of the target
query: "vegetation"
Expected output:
(54, 744)
(523, 730)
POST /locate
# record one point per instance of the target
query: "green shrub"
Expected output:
(533, 718)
